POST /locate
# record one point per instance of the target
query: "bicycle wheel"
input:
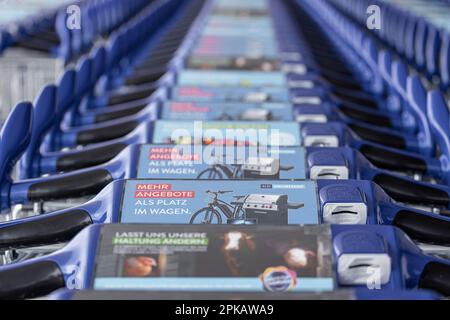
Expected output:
(210, 174)
(206, 216)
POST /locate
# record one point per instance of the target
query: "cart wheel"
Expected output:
(210, 174)
(206, 216)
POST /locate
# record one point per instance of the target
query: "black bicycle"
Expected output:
(212, 213)
(219, 171)
(235, 212)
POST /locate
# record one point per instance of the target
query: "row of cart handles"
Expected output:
(417, 39)
(54, 98)
(98, 18)
(429, 110)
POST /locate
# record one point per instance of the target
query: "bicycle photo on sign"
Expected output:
(245, 209)
(251, 168)
(251, 114)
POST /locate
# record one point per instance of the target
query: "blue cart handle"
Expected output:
(439, 117)
(14, 139)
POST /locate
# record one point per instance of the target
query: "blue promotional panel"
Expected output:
(130, 258)
(201, 162)
(227, 111)
(218, 202)
(231, 78)
(240, 133)
(235, 94)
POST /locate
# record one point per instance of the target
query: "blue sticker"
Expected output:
(242, 5)
(261, 202)
(233, 62)
(234, 94)
(231, 46)
(253, 30)
(220, 162)
(225, 78)
(179, 110)
(222, 21)
(234, 133)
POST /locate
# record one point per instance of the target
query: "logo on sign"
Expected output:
(279, 279)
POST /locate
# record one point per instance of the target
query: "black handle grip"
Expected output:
(327, 61)
(165, 51)
(376, 136)
(154, 62)
(89, 157)
(423, 228)
(145, 76)
(339, 78)
(286, 168)
(112, 115)
(177, 33)
(35, 45)
(436, 276)
(106, 133)
(351, 85)
(155, 71)
(392, 160)
(49, 38)
(44, 229)
(49, 35)
(70, 186)
(31, 280)
(366, 102)
(162, 52)
(172, 41)
(368, 117)
(405, 190)
(129, 96)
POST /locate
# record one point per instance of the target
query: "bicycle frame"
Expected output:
(217, 204)
(225, 169)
